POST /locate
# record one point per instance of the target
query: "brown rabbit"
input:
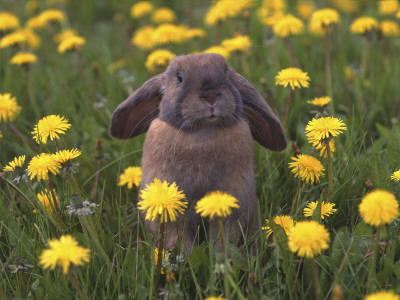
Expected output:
(201, 118)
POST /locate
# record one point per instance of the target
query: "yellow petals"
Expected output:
(308, 168)
(41, 165)
(9, 109)
(50, 127)
(216, 203)
(294, 77)
(131, 176)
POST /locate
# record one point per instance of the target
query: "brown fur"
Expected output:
(201, 118)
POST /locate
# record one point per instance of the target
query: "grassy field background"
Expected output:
(81, 87)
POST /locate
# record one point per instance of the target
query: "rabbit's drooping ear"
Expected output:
(265, 126)
(133, 116)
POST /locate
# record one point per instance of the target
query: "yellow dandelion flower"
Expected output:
(71, 43)
(52, 16)
(163, 15)
(294, 77)
(326, 209)
(13, 39)
(239, 43)
(64, 35)
(46, 200)
(66, 155)
(131, 176)
(142, 38)
(15, 163)
(388, 7)
(267, 229)
(270, 20)
(141, 9)
(23, 58)
(321, 146)
(288, 25)
(64, 252)
(362, 25)
(379, 207)
(308, 168)
(32, 40)
(323, 19)
(169, 33)
(165, 256)
(389, 28)
(9, 108)
(396, 176)
(8, 21)
(320, 101)
(383, 295)
(308, 238)
(225, 9)
(41, 165)
(286, 222)
(158, 59)
(349, 73)
(191, 33)
(398, 14)
(163, 200)
(50, 127)
(348, 6)
(323, 128)
(215, 298)
(216, 203)
(36, 22)
(305, 8)
(219, 50)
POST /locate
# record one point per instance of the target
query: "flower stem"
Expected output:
(160, 251)
(315, 279)
(22, 137)
(28, 285)
(55, 203)
(364, 55)
(372, 269)
(289, 101)
(328, 71)
(297, 197)
(290, 48)
(330, 176)
(76, 286)
(221, 230)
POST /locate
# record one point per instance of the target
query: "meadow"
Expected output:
(82, 58)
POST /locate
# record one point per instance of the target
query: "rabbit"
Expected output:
(201, 118)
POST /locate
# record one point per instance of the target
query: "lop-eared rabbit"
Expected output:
(201, 118)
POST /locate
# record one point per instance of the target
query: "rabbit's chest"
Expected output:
(200, 162)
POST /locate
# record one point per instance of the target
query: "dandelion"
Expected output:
(32, 40)
(308, 168)
(308, 238)
(324, 128)
(396, 176)
(225, 9)
(163, 15)
(45, 199)
(8, 21)
(66, 155)
(41, 165)
(80, 207)
(64, 35)
(52, 16)
(383, 295)
(216, 203)
(284, 221)
(288, 25)
(142, 38)
(17, 162)
(169, 33)
(326, 209)
(158, 59)
(379, 207)
(305, 8)
(320, 101)
(388, 7)
(363, 25)
(239, 43)
(294, 77)
(9, 109)
(23, 59)
(64, 252)
(322, 146)
(219, 50)
(50, 127)
(141, 9)
(13, 39)
(215, 298)
(70, 44)
(131, 176)
(348, 6)
(389, 28)
(323, 19)
(162, 200)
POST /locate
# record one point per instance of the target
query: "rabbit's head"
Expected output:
(198, 91)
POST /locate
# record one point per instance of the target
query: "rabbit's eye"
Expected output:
(179, 76)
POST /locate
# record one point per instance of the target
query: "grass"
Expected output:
(80, 87)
